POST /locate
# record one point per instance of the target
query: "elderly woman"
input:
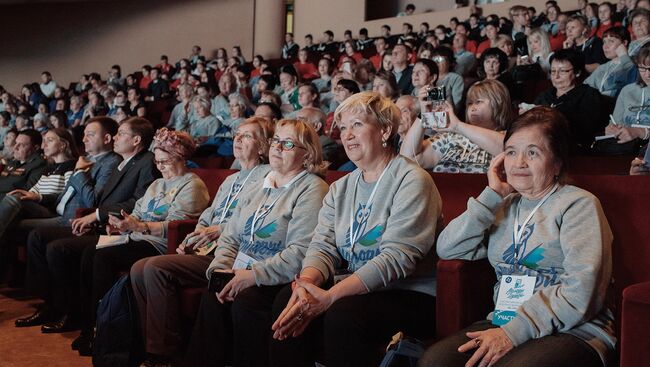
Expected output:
(464, 147)
(544, 238)
(366, 259)
(178, 195)
(630, 104)
(580, 103)
(640, 20)
(424, 75)
(237, 105)
(158, 280)
(453, 83)
(182, 111)
(386, 85)
(203, 124)
(263, 245)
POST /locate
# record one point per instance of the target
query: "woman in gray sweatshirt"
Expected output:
(263, 244)
(158, 280)
(367, 272)
(550, 246)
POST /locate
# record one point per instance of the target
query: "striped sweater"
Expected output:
(54, 178)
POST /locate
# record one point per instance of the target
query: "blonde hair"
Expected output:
(545, 43)
(308, 137)
(266, 131)
(382, 109)
(497, 95)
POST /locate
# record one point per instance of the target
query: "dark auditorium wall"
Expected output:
(73, 38)
(338, 15)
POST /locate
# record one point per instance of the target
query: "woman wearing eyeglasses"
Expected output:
(367, 272)
(178, 195)
(263, 245)
(579, 103)
(633, 105)
(158, 280)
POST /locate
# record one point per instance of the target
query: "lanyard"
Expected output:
(354, 234)
(638, 113)
(229, 199)
(259, 212)
(518, 230)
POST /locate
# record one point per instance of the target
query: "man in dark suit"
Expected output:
(24, 170)
(401, 68)
(54, 255)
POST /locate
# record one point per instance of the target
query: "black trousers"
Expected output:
(100, 269)
(233, 331)
(39, 278)
(355, 329)
(557, 350)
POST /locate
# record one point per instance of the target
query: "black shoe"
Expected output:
(39, 317)
(62, 325)
(84, 345)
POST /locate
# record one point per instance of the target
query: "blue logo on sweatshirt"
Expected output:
(368, 238)
(156, 208)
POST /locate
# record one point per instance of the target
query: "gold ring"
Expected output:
(477, 341)
(299, 317)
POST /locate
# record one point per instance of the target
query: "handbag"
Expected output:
(402, 351)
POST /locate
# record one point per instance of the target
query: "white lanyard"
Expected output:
(259, 214)
(517, 230)
(354, 234)
(230, 200)
(638, 113)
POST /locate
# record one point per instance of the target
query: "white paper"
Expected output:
(108, 241)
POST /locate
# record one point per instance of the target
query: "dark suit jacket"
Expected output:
(125, 187)
(87, 184)
(18, 175)
(405, 84)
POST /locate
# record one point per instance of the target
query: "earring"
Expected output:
(305, 164)
(384, 143)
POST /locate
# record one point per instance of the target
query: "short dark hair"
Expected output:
(277, 113)
(429, 64)
(386, 26)
(347, 32)
(408, 25)
(309, 36)
(143, 128)
(34, 136)
(410, 7)
(425, 24)
(554, 127)
(350, 85)
(109, 126)
(270, 80)
(493, 52)
(575, 58)
(363, 31)
(618, 32)
(329, 33)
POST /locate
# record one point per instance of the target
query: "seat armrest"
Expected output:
(177, 230)
(463, 294)
(635, 324)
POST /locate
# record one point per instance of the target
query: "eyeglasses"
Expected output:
(284, 144)
(247, 136)
(163, 162)
(643, 68)
(560, 71)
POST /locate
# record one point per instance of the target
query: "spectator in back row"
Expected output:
(400, 57)
(611, 77)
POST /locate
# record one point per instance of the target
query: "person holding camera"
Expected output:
(369, 269)
(550, 246)
(460, 147)
(158, 280)
(260, 251)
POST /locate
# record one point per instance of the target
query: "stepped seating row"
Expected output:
(464, 288)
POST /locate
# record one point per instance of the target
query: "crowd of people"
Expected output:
(312, 269)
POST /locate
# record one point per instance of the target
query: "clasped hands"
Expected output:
(199, 238)
(307, 302)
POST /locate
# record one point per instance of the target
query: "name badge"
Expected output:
(243, 261)
(514, 290)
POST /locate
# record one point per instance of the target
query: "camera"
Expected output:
(436, 93)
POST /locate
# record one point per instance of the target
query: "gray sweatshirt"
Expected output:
(285, 218)
(182, 197)
(566, 245)
(230, 187)
(394, 233)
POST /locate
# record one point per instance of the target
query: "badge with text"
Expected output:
(243, 261)
(514, 290)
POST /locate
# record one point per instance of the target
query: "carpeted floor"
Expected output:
(28, 347)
